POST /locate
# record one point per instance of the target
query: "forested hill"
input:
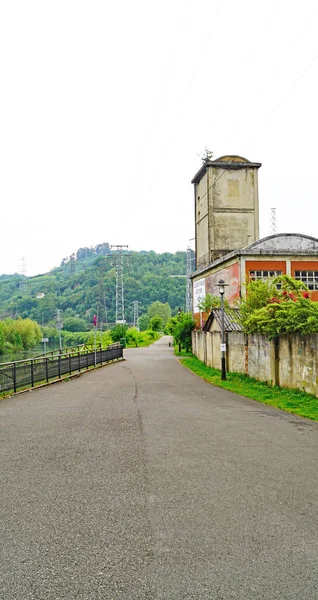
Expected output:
(85, 284)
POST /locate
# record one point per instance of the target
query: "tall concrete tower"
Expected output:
(226, 207)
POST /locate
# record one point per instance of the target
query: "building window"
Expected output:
(262, 275)
(310, 278)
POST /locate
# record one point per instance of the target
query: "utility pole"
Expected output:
(119, 263)
(59, 325)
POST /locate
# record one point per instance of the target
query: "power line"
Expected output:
(187, 90)
(297, 80)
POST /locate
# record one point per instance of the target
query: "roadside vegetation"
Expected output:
(275, 307)
(293, 401)
(181, 327)
(278, 306)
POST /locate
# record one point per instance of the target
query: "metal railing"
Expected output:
(25, 374)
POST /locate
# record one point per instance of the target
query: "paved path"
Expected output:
(140, 480)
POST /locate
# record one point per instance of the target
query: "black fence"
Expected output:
(42, 369)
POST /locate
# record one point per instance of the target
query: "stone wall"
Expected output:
(291, 361)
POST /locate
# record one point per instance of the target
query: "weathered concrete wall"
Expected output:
(209, 349)
(261, 358)
(202, 222)
(216, 342)
(200, 345)
(298, 362)
(290, 362)
(236, 351)
(233, 208)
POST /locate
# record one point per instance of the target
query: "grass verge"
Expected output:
(293, 401)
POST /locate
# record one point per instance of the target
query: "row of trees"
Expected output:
(20, 334)
(86, 285)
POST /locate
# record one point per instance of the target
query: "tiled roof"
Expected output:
(231, 320)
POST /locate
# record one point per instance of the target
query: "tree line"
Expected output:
(85, 285)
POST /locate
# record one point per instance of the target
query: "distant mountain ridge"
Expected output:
(85, 284)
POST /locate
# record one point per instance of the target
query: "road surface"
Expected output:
(140, 480)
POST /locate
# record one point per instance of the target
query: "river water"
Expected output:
(23, 354)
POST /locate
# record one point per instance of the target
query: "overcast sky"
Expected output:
(106, 108)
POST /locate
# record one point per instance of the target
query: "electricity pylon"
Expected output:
(119, 264)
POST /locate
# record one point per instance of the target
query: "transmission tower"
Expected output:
(189, 282)
(119, 263)
(273, 221)
(22, 271)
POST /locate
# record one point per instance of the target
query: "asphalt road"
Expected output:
(140, 480)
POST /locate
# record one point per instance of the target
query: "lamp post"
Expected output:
(179, 313)
(221, 285)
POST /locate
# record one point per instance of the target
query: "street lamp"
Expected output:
(221, 285)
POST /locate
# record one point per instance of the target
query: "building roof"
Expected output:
(226, 162)
(231, 319)
(280, 244)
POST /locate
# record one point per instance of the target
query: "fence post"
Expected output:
(59, 366)
(14, 377)
(47, 370)
(70, 363)
(86, 358)
(79, 360)
(32, 373)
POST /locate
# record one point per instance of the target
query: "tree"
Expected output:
(144, 322)
(160, 309)
(74, 324)
(181, 328)
(210, 302)
(156, 324)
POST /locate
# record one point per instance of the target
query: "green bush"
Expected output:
(278, 306)
(74, 324)
(118, 332)
(181, 328)
(19, 334)
(156, 324)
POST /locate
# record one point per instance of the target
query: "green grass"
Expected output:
(182, 353)
(293, 401)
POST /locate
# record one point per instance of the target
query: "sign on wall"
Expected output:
(198, 294)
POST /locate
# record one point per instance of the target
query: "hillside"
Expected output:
(85, 284)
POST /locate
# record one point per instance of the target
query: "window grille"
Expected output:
(263, 275)
(309, 278)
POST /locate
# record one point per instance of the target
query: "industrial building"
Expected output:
(227, 234)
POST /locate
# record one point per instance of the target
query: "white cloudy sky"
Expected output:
(106, 108)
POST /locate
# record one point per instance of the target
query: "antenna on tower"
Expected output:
(273, 221)
(119, 264)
